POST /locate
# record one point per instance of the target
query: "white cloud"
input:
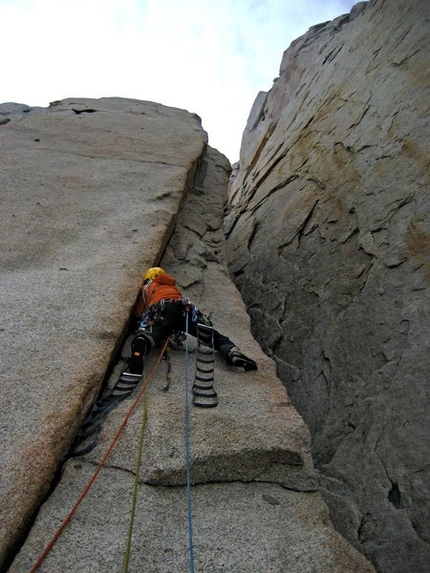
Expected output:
(209, 57)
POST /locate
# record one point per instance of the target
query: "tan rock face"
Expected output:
(90, 193)
(328, 241)
(254, 495)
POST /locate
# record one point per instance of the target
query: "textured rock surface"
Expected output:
(329, 244)
(254, 501)
(90, 194)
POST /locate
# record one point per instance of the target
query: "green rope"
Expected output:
(136, 483)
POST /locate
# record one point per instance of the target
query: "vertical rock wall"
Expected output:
(90, 193)
(328, 241)
(95, 191)
(254, 499)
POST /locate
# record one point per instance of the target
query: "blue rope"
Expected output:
(187, 451)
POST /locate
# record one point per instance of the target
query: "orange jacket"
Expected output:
(161, 288)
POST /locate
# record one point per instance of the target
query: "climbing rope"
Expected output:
(123, 394)
(136, 484)
(102, 463)
(187, 453)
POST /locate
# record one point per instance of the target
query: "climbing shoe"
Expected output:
(135, 363)
(140, 347)
(236, 358)
(142, 343)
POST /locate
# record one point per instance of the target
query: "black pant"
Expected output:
(166, 318)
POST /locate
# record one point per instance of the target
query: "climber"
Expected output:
(161, 310)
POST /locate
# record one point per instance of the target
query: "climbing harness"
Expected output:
(204, 395)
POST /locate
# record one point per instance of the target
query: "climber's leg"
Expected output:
(230, 352)
(141, 346)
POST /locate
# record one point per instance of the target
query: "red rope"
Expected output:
(102, 463)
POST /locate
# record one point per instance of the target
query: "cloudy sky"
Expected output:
(211, 57)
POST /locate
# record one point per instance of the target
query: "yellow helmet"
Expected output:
(153, 273)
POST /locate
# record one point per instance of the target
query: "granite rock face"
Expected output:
(328, 241)
(97, 191)
(90, 195)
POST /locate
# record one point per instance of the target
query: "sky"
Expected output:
(210, 57)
